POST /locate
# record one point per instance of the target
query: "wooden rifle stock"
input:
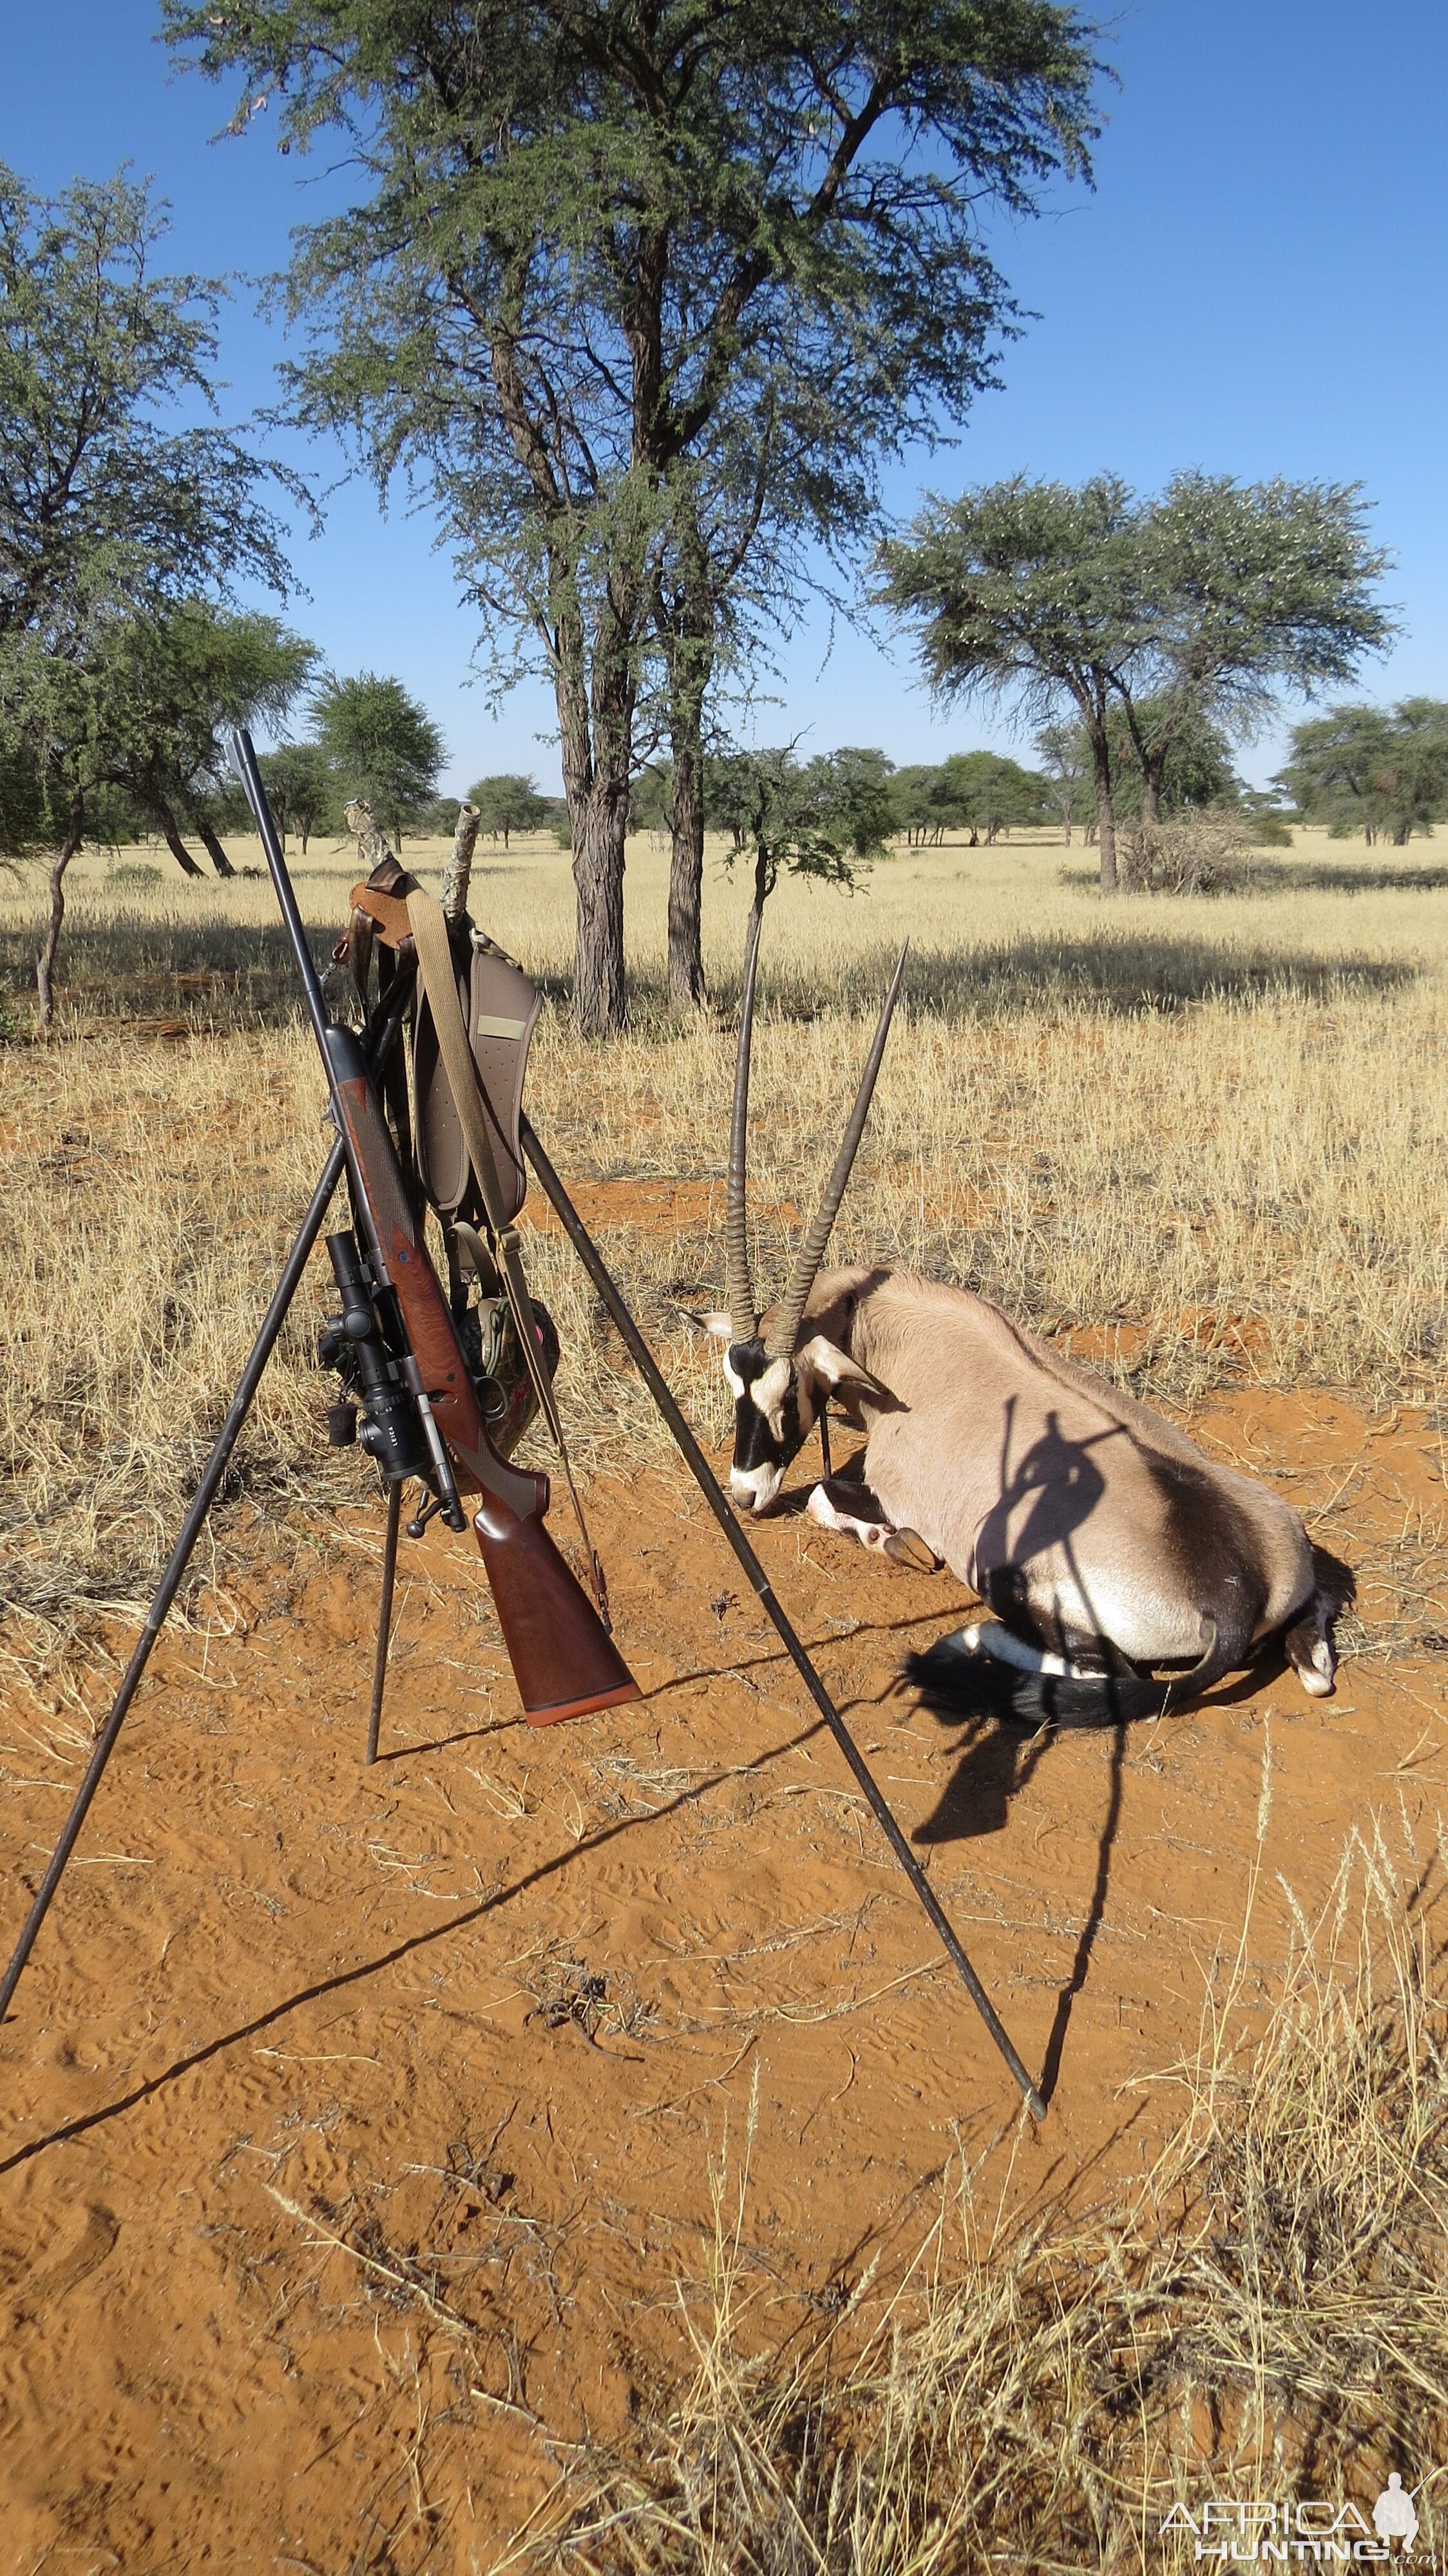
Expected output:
(563, 1660)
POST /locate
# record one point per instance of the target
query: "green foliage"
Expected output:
(829, 818)
(1249, 585)
(382, 745)
(25, 813)
(977, 792)
(1245, 586)
(639, 299)
(509, 803)
(1269, 825)
(1190, 752)
(1029, 591)
(100, 509)
(651, 799)
(1376, 770)
(116, 537)
(173, 681)
(1024, 589)
(301, 789)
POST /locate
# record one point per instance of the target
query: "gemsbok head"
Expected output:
(779, 1383)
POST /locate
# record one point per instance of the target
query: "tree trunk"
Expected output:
(45, 962)
(600, 823)
(687, 989)
(171, 832)
(213, 848)
(595, 729)
(1105, 811)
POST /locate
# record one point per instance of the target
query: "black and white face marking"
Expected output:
(773, 1417)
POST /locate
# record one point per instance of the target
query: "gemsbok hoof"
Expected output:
(907, 1547)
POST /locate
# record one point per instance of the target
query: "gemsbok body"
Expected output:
(1105, 1542)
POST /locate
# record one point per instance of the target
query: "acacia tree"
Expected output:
(1184, 613)
(1245, 587)
(106, 517)
(301, 788)
(508, 803)
(591, 233)
(173, 680)
(1029, 591)
(829, 818)
(381, 745)
(1376, 770)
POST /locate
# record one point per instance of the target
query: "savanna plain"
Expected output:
(572, 2150)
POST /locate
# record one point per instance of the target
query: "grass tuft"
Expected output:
(1266, 2316)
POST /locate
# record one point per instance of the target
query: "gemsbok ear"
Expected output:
(834, 1368)
(686, 1314)
(719, 1325)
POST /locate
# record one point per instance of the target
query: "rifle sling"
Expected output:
(438, 977)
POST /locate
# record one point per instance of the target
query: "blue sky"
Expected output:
(1256, 285)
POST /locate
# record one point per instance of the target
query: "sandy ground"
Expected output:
(315, 2061)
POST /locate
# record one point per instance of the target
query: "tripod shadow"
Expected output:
(998, 1763)
(412, 1945)
(1057, 1484)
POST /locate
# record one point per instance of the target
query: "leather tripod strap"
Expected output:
(438, 976)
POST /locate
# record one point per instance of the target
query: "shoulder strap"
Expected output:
(436, 973)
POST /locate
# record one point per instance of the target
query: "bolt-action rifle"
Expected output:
(423, 1416)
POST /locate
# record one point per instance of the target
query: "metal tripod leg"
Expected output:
(384, 1617)
(708, 1485)
(167, 1588)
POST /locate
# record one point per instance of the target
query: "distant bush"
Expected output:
(134, 872)
(1206, 851)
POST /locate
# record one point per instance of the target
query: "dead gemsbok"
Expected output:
(1105, 1542)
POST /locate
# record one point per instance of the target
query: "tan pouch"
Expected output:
(499, 1008)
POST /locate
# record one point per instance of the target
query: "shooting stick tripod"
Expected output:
(694, 1458)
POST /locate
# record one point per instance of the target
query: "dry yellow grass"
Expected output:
(1204, 1137)
(1264, 2316)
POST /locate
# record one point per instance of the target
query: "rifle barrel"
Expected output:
(243, 761)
